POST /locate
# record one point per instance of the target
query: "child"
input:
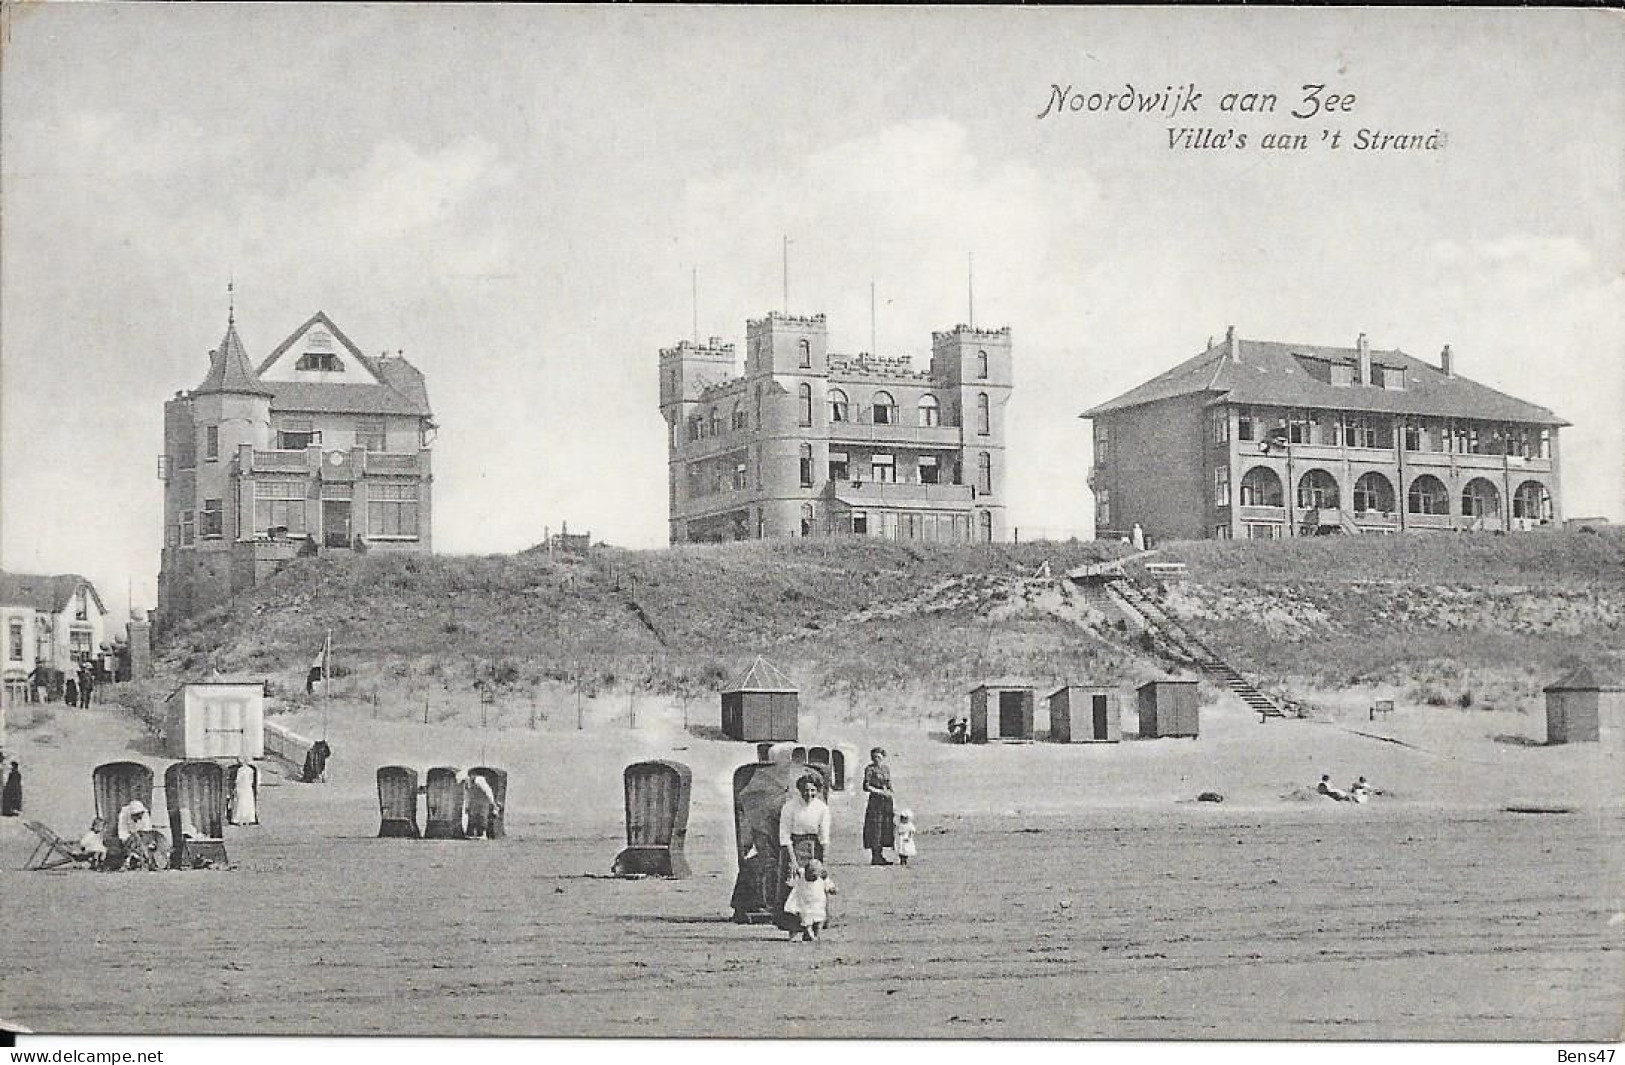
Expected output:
(905, 836)
(809, 900)
(91, 844)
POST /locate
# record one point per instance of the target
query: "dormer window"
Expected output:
(1391, 378)
(296, 435)
(324, 361)
(1342, 374)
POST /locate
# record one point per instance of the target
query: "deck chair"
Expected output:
(52, 851)
(196, 795)
(443, 804)
(657, 795)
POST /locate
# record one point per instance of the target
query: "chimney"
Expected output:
(1364, 375)
(1446, 362)
(1232, 344)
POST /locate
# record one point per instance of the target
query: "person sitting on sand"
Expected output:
(1359, 791)
(91, 847)
(1325, 788)
(141, 841)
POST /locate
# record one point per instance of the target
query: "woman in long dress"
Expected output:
(244, 796)
(879, 830)
(803, 835)
(11, 797)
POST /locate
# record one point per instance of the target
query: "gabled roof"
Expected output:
(48, 595)
(762, 676)
(402, 390)
(1583, 678)
(1271, 373)
(229, 370)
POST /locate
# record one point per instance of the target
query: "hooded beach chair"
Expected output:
(115, 785)
(443, 805)
(195, 793)
(760, 791)
(398, 802)
(657, 795)
(52, 851)
(497, 817)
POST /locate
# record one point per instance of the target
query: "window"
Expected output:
(984, 519)
(1101, 441)
(1532, 502)
(740, 421)
(696, 426)
(1391, 377)
(1299, 429)
(369, 434)
(1342, 374)
(1221, 532)
(883, 469)
(1103, 508)
(758, 422)
(1262, 531)
(695, 485)
(1373, 493)
(930, 473)
(324, 361)
(1480, 499)
(981, 365)
(279, 505)
(211, 442)
(804, 402)
(1219, 426)
(1427, 496)
(806, 466)
(1221, 486)
(741, 477)
(296, 435)
(14, 642)
(1261, 487)
(1362, 431)
(716, 423)
(806, 354)
(807, 518)
(837, 466)
(1244, 424)
(982, 422)
(1317, 490)
(984, 473)
(1413, 436)
(81, 607)
(392, 509)
(837, 405)
(188, 528)
(885, 409)
(930, 414)
(860, 522)
(213, 521)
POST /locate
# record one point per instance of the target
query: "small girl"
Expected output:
(905, 836)
(809, 900)
(91, 845)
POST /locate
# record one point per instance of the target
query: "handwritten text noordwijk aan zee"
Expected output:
(1311, 101)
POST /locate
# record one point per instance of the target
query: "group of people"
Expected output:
(1359, 791)
(958, 729)
(78, 683)
(803, 838)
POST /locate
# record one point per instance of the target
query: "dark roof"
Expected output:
(45, 594)
(402, 390)
(762, 676)
(1583, 678)
(1267, 372)
(229, 370)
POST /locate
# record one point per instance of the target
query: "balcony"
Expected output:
(1253, 513)
(1429, 521)
(945, 436)
(355, 462)
(1376, 519)
(886, 493)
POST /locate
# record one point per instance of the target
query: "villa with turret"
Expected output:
(810, 442)
(317, 449)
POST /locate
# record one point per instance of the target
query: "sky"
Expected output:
(517, 200)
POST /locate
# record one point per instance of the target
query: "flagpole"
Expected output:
(327, 675)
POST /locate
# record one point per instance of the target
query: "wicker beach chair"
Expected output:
(195, 793)
(115, 785)
(657, 796)
(443, 804)
(398, 802)
(498, 779)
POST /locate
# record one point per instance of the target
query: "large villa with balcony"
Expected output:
(1261, 439)
(807, 442)
(319, 449)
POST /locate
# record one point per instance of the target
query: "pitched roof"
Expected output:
(762, 676)
(1584, 679)
(229, 370)
(1273, 373)
(402, 390)
(47, 594)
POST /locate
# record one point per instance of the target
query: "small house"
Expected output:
(1581, 705)
(1168, 708)
(1085, 713)
(1001, 710)
(223, 717)
(763, 704)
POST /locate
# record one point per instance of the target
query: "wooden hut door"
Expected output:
(1011, 725)
(1098, 704)
(222, 728)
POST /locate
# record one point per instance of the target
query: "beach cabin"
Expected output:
(223, 717)
(1581, 705)
(1168, 708)
(1085, 713)
(1001, 710)
(763, 704)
